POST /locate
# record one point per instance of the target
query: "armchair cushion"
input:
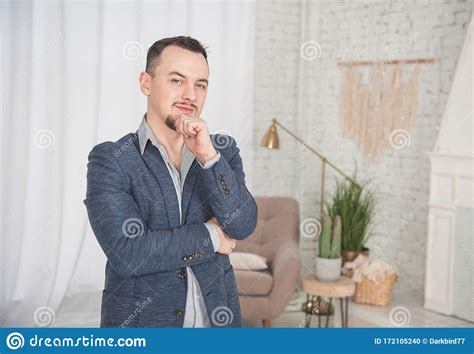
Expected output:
(247, 261)
(252, 282)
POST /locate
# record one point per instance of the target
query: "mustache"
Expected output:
(186, 105)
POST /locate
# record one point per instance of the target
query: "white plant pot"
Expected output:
(328, 269)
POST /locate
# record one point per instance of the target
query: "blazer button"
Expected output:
(179, 312)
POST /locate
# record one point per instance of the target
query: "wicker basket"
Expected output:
(378, 294)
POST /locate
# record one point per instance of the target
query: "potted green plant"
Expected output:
(329, 261)
(355, 204)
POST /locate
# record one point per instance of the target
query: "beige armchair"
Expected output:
(264, 294)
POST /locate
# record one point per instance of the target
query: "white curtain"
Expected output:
(69, 80)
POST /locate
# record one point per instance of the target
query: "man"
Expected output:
(168, 203)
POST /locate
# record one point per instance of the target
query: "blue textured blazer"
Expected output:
(133, 210)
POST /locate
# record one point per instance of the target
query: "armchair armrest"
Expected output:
(286, 265)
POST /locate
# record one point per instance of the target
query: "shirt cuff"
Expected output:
(216, 241)
(211, 162)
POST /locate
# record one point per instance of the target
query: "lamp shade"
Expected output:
(270, 139)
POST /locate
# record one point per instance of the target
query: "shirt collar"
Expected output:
(145, 133)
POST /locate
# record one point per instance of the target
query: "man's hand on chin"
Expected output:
(196, 137)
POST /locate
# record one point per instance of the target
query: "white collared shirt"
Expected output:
(195, 313)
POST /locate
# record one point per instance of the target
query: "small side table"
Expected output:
(341, 289)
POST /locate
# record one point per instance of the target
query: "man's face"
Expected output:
(179, 84)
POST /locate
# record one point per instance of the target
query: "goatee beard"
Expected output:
(170, 123)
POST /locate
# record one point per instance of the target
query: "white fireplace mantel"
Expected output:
(449, 276)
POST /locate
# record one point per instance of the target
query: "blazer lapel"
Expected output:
(156, 164)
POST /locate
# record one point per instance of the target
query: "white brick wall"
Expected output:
(276, 90)
(353, 30)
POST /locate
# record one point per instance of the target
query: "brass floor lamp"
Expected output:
(313, 305)
(271, 141)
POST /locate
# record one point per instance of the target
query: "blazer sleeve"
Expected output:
(130, 246)
(229, 199)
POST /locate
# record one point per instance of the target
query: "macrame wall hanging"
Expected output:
(381, 110)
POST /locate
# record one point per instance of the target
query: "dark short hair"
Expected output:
(184, 42)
